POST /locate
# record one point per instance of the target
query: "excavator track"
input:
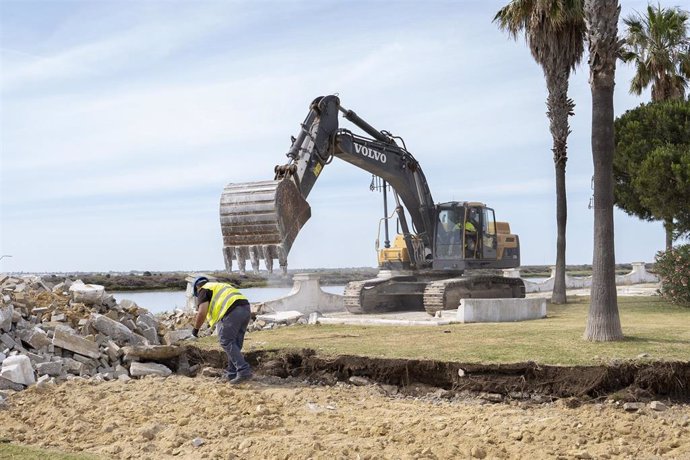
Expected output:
(446, 294)
(384, 294)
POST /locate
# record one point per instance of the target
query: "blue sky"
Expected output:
(120, 123)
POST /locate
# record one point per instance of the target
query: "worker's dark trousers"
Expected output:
(231, 331)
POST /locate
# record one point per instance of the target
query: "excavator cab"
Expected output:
(465, 231)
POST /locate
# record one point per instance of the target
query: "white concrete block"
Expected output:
(500, 310)
(18, 369)
(280, 317)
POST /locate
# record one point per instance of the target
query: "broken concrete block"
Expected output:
(148, 319)
(117, 331)
(120, 370)
(37, 359)
(129, 324)
(314, 318)
(39, 311)
(58, 317)
(2, 357)
(658, 406)
(6, 314)
(152, 352)
(88, 294)
(174, 337)
(149, 333)
(73, 367)
(65, 338)
(7, 340)
(7, 384)
(138, 369)
(128, 305)
(18, 369)
(35, 337)
(287, 317)
(52, 368)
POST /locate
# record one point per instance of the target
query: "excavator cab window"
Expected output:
(449, 232)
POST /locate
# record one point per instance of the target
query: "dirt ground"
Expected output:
(271, 417)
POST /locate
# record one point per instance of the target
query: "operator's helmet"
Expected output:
(200, 281)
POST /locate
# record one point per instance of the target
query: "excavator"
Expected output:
(425, 264)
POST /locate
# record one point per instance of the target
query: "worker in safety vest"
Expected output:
(226, 308)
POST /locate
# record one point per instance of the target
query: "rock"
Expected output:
(58, 317)
(6, 314)
(73, 367)
(359, 381)
(461, 372)
(152, 352)
(174, 337)
(581, 454)
(197, 442)
(137, 369)
(2, 357)
(18, 369)
(642, 355)
(129, 324)
(52, 368)
(658, 406)
(88, 294)
(211, 372)
(35, 337)
(633, 406)
(7, 384)
(64, 337)
(8, 341)
(478, 452)
(390, 389)
(492, 397)
(120, 333)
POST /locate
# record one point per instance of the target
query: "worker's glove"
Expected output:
(195, 332)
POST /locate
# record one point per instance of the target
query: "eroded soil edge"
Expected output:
(629, 380)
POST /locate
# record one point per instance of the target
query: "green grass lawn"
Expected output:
(650, 325)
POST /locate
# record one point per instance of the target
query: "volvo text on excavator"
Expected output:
(426, 263)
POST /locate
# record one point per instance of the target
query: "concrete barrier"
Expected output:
(638, 275)
(306, 297)
(500, 310)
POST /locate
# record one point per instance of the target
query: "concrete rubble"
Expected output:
(54, 333)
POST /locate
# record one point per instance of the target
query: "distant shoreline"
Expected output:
(177, 280)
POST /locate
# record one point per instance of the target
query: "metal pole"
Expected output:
(387, 241)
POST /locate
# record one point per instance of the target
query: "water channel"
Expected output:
(161, 301)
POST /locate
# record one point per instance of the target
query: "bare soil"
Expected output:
(300, 406)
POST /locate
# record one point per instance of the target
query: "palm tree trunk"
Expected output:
(668, 226)
(603, 322)
(559, 107)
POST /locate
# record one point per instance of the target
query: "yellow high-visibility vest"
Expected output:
(224, 295)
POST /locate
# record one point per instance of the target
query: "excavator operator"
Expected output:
(471, 225)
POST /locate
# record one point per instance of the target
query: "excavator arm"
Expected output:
(260, 220)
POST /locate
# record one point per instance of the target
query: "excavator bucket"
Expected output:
(260, 221)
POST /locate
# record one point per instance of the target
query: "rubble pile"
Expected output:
(54, 333)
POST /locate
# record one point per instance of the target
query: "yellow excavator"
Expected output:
(425, 264)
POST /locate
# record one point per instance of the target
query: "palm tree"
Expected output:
(601, 16)
(554, 31)
(659, 47)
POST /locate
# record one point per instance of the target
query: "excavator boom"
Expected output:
(260, 220)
